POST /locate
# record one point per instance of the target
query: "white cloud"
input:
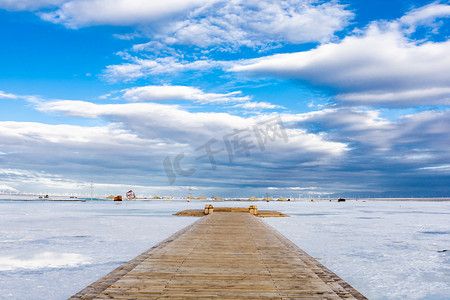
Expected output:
(139, 138)
(259, 23)
(425, 15)
(139, 68)
(28, 4)
(437, 95)
(292, 188)
(380, 62)
(174, 125)
(257, 105)
(81, 13)
(4, 95)
(204, 23)
(176, 92)
(365, 127)
(323, 146)
(439, 168)
(127, 36)
(31, 133)
(416, 139)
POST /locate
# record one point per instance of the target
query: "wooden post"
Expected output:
(253, 210)
(209, 209)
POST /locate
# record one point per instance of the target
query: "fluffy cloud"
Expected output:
(141, 135)
(425, 15)
(204, 23)
(81, 13)
(176, 92)
(413, 141)
(74, 154)
(260, 23)
(336, 147)
(331, 132)
(44, 133)
(171, 123)
(139, 68)
(380, 66)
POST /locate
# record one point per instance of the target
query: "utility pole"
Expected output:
(190, 193)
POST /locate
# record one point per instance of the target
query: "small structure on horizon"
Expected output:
(341, 200)
(131, 195)
(118, 198)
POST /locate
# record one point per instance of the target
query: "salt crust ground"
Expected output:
(386, 250)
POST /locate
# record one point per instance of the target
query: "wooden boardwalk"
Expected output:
(225, 255)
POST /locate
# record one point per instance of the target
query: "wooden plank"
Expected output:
(225, 255)
(201, 212)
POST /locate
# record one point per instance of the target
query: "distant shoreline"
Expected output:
(63, 198)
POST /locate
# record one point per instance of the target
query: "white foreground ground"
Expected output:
(386, 250)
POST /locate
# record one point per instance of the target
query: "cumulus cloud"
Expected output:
(141, 135)
(177, 92)
(203, 23)
(81, 13)
(151, 119)
(419, 139)
(260, 23)
(380, 66)
(61, 157)
(330, 146)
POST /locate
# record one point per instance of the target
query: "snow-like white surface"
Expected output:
(387, 250)
(51, 250)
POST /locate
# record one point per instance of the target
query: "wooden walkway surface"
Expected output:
(225, 255)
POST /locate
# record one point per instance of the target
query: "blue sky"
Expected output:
(246, 98)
